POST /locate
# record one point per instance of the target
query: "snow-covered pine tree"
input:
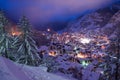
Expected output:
(5, 39)
(27, 49)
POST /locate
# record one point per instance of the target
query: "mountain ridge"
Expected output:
(104, 20)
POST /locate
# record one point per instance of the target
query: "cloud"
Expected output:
(50, 10)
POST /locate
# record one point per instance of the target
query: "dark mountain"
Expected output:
(105, 20)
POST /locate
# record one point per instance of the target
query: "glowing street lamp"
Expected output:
(48, 30)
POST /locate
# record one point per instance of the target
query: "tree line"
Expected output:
(21, 48)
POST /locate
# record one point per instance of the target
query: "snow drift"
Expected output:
(13, 71)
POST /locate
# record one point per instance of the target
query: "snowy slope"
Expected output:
(113, 25)
(9, 71)
(14, 71)
(36, 73)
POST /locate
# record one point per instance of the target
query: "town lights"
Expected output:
(80, 55)
(85, 40)
(15, 32)
(85, 63)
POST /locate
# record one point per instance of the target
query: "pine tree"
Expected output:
(5, 39)
(27, 49)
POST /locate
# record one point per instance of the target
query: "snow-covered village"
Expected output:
(58, 40)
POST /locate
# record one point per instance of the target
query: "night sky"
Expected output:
(46, 11)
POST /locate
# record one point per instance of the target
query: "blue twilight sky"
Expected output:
(44, 11)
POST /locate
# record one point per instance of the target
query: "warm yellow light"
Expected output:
(15, 32)
(52, 53)
(80, 55)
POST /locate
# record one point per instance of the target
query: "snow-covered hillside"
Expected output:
(13, 71)
(113, 25)
(104, 21)
(91, 21)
